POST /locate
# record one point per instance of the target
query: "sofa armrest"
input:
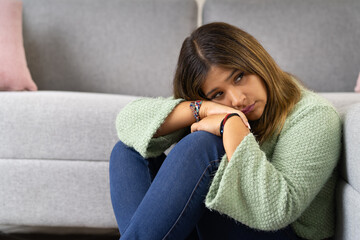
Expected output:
(348, 186)
(350, 165)
(59, 125)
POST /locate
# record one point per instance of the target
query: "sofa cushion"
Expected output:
(317, 40)
(55, 192)
(14, 73)
(351, 166)
(59, 125)
(347, 212)
(112, 46)
(348, 106)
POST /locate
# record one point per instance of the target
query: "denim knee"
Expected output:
(119, 147)
(201, 144)
(120, 153)
(202, 140)
(205, 139)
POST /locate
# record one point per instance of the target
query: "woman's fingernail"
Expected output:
(248, 125)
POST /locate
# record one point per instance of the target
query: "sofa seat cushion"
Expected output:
(55, 192)
(59, 125)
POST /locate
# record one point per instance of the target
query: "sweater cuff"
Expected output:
(140, 126)
(216, 197)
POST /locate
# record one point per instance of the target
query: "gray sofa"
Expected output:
(90, 58)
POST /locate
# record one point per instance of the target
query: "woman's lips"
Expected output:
(248, 109)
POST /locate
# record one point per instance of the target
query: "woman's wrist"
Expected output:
(195, 108)
(229, 115)
(203, 109)
(180, 117)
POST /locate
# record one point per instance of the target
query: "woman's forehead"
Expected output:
(217, 73)
(217, 76)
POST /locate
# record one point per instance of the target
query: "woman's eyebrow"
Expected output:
(229, 77)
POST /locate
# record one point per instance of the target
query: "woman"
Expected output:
(255, 157)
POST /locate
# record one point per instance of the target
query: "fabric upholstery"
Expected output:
(317, 40)
(351, 165)
(51, 192)
(348, 212)
(59, 125)
(14, 73)
(129, 47)
(54, 158)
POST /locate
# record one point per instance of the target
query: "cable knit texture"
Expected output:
(290, 179)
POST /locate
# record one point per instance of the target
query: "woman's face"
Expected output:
(233, 88)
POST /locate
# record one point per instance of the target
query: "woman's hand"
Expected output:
(209, 124)
(209, 108)
(234, 130)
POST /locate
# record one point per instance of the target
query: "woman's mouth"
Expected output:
(248, 109)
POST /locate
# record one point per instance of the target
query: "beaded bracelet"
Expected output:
(229, 115)
(195, 107)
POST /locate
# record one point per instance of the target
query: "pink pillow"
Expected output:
(357, 87)
(14, 73)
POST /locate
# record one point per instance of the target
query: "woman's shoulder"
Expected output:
(312, 107)
(309, 97)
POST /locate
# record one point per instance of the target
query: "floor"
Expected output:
(57, 237)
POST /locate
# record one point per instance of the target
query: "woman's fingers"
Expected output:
(194, 127)
(244, 119)
(242, 116)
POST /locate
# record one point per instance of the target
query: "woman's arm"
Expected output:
(182, 116)
(179, 118)
(234, 132)
(269, 194)
(138, 121)
(151, 125)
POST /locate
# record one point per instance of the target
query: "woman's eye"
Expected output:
(239, 77)
(218, 94)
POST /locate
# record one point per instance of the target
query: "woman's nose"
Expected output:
(236, 98)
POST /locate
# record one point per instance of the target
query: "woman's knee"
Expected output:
(118, 149)
(204, 139)
(202, 142)
(120, 154)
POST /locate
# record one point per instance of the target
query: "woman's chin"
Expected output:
(252, 116)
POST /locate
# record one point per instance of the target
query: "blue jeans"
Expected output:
(163, 197)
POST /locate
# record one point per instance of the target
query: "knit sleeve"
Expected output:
(138, 121)
(269, 194)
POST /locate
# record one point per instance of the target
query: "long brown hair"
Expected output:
(223, 45)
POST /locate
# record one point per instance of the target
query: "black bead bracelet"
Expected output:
(224, 121)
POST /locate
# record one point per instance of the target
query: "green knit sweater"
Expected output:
(289, 179)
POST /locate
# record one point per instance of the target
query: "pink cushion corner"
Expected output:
(357, 87)
(14, 73)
